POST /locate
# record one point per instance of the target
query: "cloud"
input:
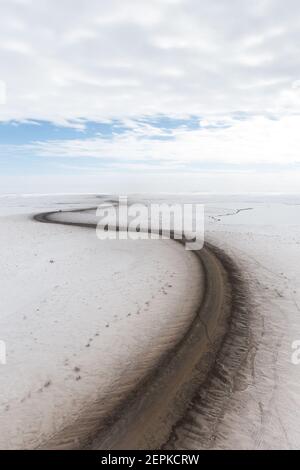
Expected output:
(100, 60)
(256, 141)
(228, 71)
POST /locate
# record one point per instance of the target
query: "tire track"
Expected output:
(156, 413)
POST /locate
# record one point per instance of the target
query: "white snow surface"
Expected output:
(83, 320)
(262, 236)
(49, 314)
(265, 243)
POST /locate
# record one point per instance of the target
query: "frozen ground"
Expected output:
(260, 405)
(262, 411)
(83, 320)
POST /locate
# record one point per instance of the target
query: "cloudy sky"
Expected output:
(174, 94)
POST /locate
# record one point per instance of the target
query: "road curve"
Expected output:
(147, 417)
